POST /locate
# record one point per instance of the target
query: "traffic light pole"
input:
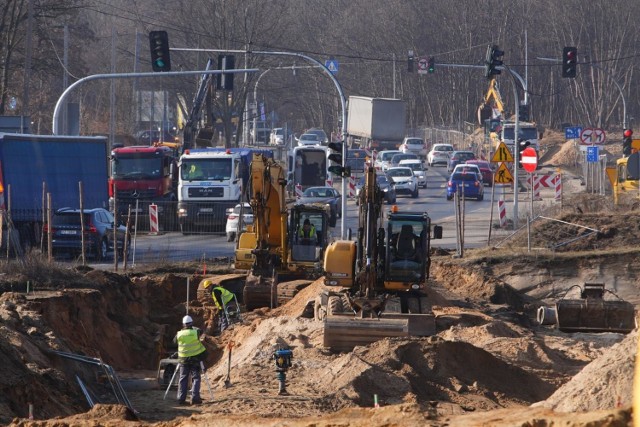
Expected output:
(67, 91)
(343, 104)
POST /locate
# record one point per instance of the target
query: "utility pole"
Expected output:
(65, 79)
(27, 69)
(112, 92)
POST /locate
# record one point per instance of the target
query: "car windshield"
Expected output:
(317, 192)
(400, 172)
(70, 218)
(415, 142)
(414, 166)
(463, 156)
(308, 137)
(247, 209)
(464, 177)
(388, 155)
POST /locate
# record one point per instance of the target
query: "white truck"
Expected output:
(378, 123)
(210, 181)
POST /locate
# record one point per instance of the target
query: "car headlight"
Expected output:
(420, 176)
(385, 190)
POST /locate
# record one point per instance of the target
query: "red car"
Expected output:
(485, 170)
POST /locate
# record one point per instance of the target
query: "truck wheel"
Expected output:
(231, 236)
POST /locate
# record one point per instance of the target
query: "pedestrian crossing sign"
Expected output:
(332, 65)
(502, 154)
(503, 175)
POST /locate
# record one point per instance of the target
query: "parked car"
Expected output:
(308, 139)
(396, 159)
(233, 216)
(415, 146)
(327, 195)
(468, 182)
(418, 170)
(385, 184)
(320, 133)
(66, 232)
(485, 170)
(459, 157)
(404, 181)
(439, 154)
(384, 158)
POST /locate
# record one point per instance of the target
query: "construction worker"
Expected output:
(222, 297)
(191, 354)
(307, 233)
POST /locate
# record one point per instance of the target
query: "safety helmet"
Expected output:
(187, 320)
(206, 283)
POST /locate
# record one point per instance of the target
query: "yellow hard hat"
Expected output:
(207, 283)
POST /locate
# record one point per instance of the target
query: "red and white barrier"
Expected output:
(328, 182)
(502, 213)
(558, 186)
(536, 187)
(352, 186)
(298, 191)
(153, 219)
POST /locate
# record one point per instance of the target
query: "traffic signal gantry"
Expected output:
(159, 45)
(492, 61)
(569, 61)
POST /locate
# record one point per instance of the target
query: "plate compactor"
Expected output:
(590, 313)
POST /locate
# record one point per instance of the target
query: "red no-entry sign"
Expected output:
(529, 159)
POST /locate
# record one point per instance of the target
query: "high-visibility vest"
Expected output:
(188, 343)
(312, 232)
(225, 294)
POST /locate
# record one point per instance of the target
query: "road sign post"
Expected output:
(529, 159)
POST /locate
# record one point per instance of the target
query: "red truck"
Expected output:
(142, 175)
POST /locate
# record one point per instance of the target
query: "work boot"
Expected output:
(196, 401)
(182, 403)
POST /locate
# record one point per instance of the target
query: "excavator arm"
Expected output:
(485, 110)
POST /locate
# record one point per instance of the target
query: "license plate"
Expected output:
(206, 210)
(67, 231)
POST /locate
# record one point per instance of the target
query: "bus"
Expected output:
(308, 167)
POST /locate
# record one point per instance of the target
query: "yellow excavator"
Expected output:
(272, 249)
(380, 279)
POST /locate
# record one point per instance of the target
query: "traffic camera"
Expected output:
(493, 60)
(225, 80)
(569, 61)
(159, 44)
(627, 142)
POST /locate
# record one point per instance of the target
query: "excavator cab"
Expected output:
(308, 233)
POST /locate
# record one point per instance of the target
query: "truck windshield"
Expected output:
(217, 169)
(136, 167)
(526, 133)
(310, 168)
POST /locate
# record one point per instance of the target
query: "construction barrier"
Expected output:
(328, 182)
(502, 213)
(153, 219)
(536, 187)
(558, 185)
(298, 191)
(352, 186)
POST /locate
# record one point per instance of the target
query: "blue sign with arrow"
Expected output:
(572, 132)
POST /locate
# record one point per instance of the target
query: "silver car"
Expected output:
(418, 170)
(414, 145)
(233, 216)
(440, 153)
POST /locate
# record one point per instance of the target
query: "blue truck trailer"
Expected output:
(58, 163)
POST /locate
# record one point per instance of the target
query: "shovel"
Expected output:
(227, 381)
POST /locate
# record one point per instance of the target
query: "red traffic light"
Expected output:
(627, 133)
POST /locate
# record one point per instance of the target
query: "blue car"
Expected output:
(468, 182)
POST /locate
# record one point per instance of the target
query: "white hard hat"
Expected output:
(187, 320)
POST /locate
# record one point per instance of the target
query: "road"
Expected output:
(172, 247)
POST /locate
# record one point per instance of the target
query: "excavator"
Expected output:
(378, 282)
(272, 249)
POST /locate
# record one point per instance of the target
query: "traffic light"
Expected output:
(492, 61)
(225, 81)
(159, 44)
(410, 60)
(432, 64)
(522, 144)
(338, 169)
(523, 112)
(569, 61)
(627, 142)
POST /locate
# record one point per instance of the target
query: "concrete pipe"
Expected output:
(547, 315)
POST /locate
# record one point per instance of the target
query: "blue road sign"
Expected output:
(592, 154)
(332, 65)
(572, 132)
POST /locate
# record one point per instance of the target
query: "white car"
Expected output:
(418, 170)
(439, 153)
(277, 136)
(414, 145)
(404, 181)
(308, 139)
(384, 158)
(233, 215)
(464, 167)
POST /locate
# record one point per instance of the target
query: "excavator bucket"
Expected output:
(593, 313)
(260, 291)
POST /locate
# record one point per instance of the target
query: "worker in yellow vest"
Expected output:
(191, 353)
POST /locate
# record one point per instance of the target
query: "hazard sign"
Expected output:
(503, 175)
(502, 154)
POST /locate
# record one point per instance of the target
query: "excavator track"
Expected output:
(287, 290)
